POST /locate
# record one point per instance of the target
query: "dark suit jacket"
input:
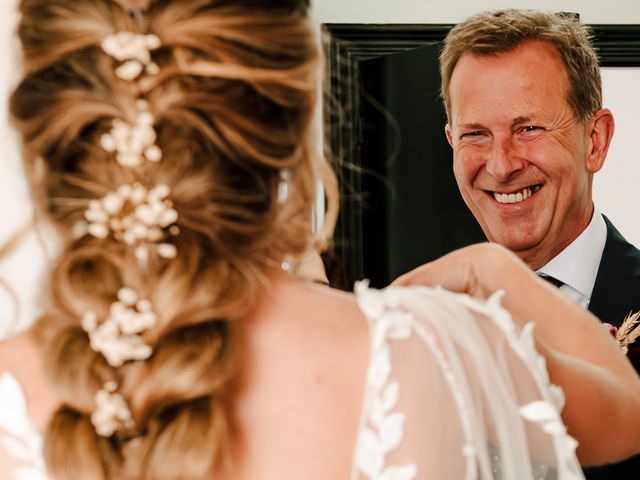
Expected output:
(616, 293)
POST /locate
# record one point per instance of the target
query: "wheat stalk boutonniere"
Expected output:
(628, 332)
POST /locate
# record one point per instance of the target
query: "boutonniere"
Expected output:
(627, 333)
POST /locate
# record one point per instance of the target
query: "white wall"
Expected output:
(453, 11)
(615, 186)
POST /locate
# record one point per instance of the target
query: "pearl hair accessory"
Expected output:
(133, 143)
(134, 50)
(111, 411)
(137, 217)
(118, 337)
(283, 185)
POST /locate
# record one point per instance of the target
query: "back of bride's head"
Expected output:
(169, 142)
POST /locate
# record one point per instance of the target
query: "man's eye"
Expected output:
(531, 128)
(475, 133)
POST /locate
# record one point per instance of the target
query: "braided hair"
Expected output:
(158, 136)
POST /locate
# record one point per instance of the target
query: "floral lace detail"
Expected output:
(386, 427)
(21, 440)
(546, 413)
(403, 314)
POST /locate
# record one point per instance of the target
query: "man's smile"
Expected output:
(515, 197)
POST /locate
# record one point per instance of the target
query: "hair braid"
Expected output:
(229, 106)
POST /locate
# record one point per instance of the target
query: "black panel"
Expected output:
(413, 212)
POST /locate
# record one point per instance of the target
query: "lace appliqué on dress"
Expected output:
(20, 439)
(384, 428)
(545, 413)
(449, 325)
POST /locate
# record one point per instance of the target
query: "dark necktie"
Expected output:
(553, 281)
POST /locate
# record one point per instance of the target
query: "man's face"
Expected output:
(523, 163)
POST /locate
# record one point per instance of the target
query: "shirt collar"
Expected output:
(577, 265)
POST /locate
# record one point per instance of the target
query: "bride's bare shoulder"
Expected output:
(319, 321)
(21, 358)
(317, 303)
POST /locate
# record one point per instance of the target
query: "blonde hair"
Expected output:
(232, 103)
(501, 31)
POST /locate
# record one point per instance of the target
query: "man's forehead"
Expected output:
(478, 122)
(534, 61)
(524, 47)
(513, 87)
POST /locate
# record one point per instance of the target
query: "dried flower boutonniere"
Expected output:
(627, 333)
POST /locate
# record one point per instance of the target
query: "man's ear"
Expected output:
(600, 131)
(447, 132)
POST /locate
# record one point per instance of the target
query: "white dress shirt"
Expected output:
(577, 265)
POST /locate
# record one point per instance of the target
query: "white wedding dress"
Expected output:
(455, 390)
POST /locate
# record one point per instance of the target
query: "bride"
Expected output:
(169, 143)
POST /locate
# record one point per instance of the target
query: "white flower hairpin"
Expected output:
(137, 217)
(111, 412)
(134, 50)
(119, 340)
(136, 143)
(118, 337)
(133, 143)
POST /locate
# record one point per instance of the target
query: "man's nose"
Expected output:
(502, 159)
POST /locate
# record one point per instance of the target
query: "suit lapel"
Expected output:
(616, 291)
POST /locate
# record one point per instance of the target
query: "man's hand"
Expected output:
(478, 270)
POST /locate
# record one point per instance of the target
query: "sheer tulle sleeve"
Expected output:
(456, 390)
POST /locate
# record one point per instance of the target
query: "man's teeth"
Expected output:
(513, 197)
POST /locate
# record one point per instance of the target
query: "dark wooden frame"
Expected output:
(348, 44)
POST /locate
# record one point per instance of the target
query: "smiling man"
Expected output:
(523, 97)
(523, 161)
